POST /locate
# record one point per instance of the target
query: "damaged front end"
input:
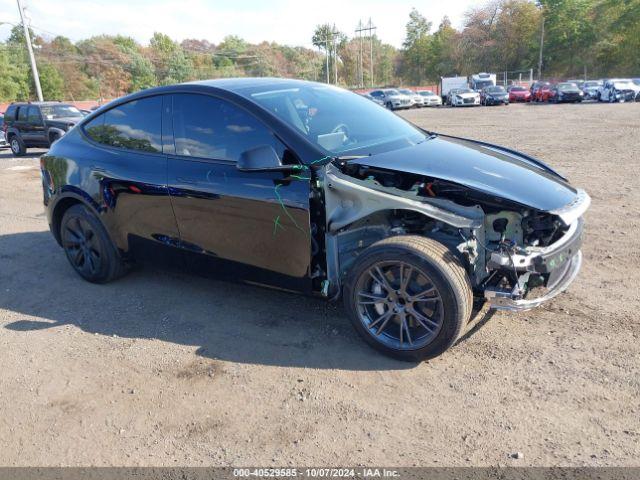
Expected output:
(516, 256)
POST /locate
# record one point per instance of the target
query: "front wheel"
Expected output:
(408, 297)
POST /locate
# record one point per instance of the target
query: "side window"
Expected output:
(10, 114)
(22, 114)
(376, 93)
(135, 125)
(33, 115)
(208, 127)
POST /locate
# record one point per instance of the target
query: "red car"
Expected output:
(519, 94)
(541, 92)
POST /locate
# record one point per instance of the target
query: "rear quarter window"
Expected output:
(10, 114)
(134, 125)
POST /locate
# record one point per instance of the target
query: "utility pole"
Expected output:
(326, 49)
(335, 53)
(361, 54)
(34, 67)
(541, 47)
(371, 28)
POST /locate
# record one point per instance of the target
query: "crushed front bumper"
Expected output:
(558, 263)
(503, 300)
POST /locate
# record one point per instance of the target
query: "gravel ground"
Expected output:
(162, 368)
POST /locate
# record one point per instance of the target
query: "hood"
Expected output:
(468, 94)
(486, 168)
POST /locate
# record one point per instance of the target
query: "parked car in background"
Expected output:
(619, 90)
(541, 92)
(430, 99)
(3, 137)
(376, 100)
(450, 83)
(591, 88)
(405, 225)
(417, 100)
(576, 82)
(494, 95)
(465, 97)
(38, 124)
(565, 92)
(392, 98)
(518, 93)
(479, 81)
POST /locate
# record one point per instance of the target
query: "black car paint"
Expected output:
(252, 226)
(488, 169)
(255, 223)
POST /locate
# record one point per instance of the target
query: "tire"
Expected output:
(88, 246)
(434, 270)
(17, 146)
(389, 105)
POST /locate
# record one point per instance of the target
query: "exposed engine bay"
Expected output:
(507, 248)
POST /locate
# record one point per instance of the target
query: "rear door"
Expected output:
(131, 168)
(34, 128)
(21, 124)
(248, 225)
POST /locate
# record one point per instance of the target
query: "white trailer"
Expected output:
(480, 80)
(447, 83)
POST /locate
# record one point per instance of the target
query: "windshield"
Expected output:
(426, 93)
(518, 89)
(591, 84)
(52, 112)
(391, 92)
(337, 121)
(483, 83)
(464, 90)
(567, 86)
(406, 92)
(495, 90)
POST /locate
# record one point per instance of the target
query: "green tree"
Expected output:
(416, 48)
(51, 82)
(327, 38)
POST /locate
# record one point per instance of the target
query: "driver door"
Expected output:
(251, 226)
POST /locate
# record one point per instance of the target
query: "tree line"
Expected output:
(598, 37)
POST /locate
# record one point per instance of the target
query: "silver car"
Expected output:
(430, 99)
(392, 98)
(417, 100)
(3, 138)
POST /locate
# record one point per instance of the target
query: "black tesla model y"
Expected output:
(316, 190)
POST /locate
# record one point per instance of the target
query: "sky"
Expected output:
(289, 22)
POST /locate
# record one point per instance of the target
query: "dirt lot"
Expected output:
(168, 369)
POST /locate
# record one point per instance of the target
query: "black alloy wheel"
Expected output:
(88, 247)
(408, 297)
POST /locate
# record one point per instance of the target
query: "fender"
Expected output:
(56, 130)
(70, 192)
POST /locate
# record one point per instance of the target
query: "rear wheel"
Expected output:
(88, 247)
(53, 137)
(409, 297)
(17, 146)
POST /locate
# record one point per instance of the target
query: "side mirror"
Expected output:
(259, 159)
